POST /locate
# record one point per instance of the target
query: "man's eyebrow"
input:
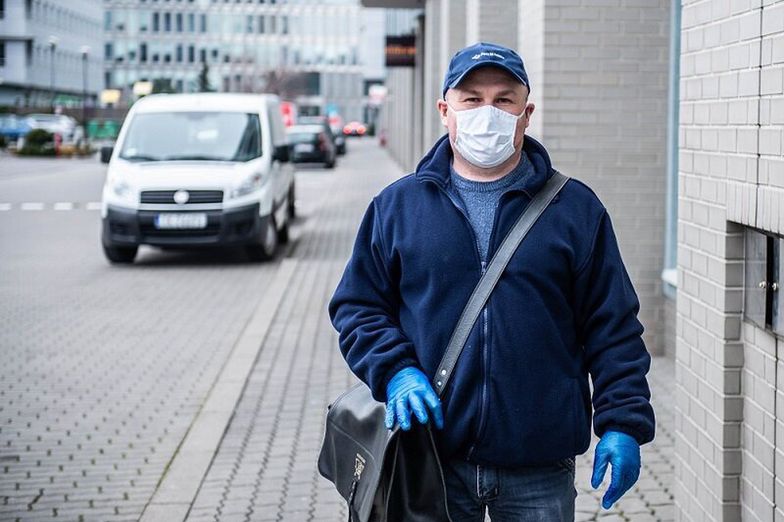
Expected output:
(505, 92)
(464, 92)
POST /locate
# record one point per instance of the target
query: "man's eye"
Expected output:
(472, 100)
(504, 100)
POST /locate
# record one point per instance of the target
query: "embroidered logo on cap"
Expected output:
(486, 53)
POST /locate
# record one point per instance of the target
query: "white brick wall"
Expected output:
(731, 172)
(600, 71)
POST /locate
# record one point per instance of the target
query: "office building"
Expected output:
(305, 50)
(50, 52)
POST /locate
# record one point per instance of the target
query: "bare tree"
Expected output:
(285, 83)
(203, 81)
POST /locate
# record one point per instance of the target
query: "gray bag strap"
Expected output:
(492, 274)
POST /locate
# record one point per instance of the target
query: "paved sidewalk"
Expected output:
(265, 467)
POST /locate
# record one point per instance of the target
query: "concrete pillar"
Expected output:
(492, 21)
(433, 73)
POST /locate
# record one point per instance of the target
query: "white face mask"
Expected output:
(485, 135)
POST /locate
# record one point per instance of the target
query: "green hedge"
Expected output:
(38, 142)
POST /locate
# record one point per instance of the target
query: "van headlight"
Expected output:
(252, 184)
(121, 189)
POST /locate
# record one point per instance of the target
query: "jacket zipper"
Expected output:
(485, 364)
(484, 328)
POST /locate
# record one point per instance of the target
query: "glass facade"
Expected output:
(239, 41)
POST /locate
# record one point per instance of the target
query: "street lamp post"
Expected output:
(52, 47)
(85, 54)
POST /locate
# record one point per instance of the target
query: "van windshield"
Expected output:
(200, 136)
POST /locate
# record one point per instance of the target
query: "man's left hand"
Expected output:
(623, 453)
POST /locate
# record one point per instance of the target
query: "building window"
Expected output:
(178, 22)
(260, 26)
(2, 52)
(203, 23)
(249, 24)
(178, 53)
(108, 51)
(143, 52)
(144, 21)
(202, 55)
(191, 54)
(167, 22)
(156, 22)
(191, 23)
(272, 24)
(107, 21)
(284, 24)
(2, 9)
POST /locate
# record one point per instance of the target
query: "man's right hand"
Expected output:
(409, 390)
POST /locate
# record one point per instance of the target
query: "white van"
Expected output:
(199, 170)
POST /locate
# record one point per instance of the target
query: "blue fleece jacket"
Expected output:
(564, 308)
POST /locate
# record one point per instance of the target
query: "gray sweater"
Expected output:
(480, 199)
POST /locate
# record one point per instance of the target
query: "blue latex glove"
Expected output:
(623, 452)
(409, 390)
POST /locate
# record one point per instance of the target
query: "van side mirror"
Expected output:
(106, 154)
(281, 153)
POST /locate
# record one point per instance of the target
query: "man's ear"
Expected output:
(442, 107)
(529, 110)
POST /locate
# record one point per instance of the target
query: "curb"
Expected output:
(182, 479)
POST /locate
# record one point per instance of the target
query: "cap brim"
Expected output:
(488, 63)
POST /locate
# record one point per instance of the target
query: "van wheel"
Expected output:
(120, 255)
(264, 251)
(290, 204)
(283, 232)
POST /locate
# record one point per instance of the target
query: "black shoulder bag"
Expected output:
(394, 475)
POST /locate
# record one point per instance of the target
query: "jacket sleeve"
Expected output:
(364, 311)
(611, 334)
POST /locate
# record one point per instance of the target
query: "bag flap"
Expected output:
(356, 442)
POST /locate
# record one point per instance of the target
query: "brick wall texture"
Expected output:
(600, 73)
(731, 174)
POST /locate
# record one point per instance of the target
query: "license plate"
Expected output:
(303, 147)
(189, 220)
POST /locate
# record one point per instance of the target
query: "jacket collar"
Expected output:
(434, 166)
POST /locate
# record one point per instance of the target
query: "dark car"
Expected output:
(334, 132)
(311, 143)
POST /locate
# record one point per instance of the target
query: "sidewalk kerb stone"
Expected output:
(180, 484)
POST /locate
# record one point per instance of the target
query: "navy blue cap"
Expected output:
(483, 55)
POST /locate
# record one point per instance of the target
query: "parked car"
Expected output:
(66, 126)
(311, 143)
(205, 169)
(13, 127)
(334, 133)
(354, 128)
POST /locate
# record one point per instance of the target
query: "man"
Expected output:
(518, 407)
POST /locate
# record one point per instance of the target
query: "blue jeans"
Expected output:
(528, 494)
